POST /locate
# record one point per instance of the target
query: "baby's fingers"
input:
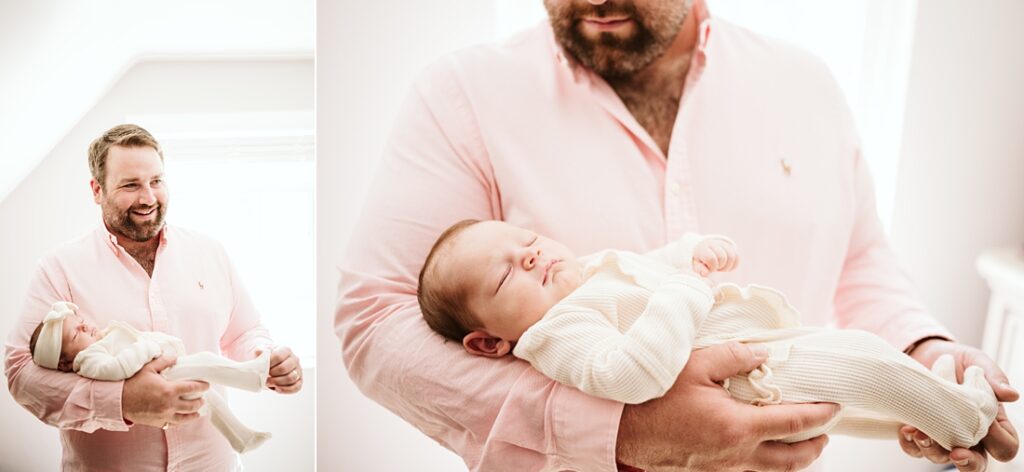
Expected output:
(733, 259)
(721, 257)
(700, 268)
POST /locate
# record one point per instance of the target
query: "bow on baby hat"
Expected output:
(47, 352)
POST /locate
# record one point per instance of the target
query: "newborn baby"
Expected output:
(621, 325)
(64, 341)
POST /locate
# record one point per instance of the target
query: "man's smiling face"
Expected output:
(133, 196)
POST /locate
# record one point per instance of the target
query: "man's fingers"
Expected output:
(182, 418)
(183, 406)
(186, 387)
(907, 442)
(287, 379)
(295, 387)
(931, 450)
(722, 361)
(774, 455)
(279, 355)
(288, 365)
(782, 421)
(967, 460)
(1002, 440)
(161, 363)
(996, 377)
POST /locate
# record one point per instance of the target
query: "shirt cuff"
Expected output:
(586, 429)
(910, 333)
(107, 411)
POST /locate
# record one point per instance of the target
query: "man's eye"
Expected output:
(131, 186)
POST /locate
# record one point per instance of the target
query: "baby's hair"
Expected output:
(444, 302)
(34, 339)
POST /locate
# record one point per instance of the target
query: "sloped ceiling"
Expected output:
(58, 57)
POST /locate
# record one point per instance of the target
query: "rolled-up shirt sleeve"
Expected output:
(498, 414)
(62, 399)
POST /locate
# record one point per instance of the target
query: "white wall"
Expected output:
(366, 60)
(53, 204)
(961, 179)
(57, 58)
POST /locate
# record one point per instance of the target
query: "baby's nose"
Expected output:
(531, 258)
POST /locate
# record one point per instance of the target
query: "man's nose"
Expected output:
(147, 196)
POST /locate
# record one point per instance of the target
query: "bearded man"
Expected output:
(137, 269)
(625, 124)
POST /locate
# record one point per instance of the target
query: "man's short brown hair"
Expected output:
(444, 302)
(127, 135)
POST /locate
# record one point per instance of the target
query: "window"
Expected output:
(247, 180)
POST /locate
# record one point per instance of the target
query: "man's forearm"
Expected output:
(61, 399)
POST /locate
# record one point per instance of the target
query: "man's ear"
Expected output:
(483, 344)
(96, 188)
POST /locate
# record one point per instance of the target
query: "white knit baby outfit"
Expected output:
(124, 350)
(626, 333)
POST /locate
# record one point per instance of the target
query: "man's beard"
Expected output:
(612, 56)
(121, 222)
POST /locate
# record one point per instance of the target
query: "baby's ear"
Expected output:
(483, 344)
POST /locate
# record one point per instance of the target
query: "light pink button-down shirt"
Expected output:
(194, 294)
(763, 151)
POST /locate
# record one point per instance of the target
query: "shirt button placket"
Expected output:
(681, 213)
(156, 306)
(172, 449)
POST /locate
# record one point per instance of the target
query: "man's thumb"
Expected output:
(161, 363)
(722, 361)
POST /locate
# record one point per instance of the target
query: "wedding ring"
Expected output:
(164, 427)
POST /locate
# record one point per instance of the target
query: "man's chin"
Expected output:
(142, 233)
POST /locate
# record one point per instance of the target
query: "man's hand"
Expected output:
(714, 255)
(285, 371)
(698, 426)
(150, 399)
(1001, 442)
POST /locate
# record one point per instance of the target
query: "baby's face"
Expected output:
(78, 334)
(514, 275)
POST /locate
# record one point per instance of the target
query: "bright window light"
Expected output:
(247, 180)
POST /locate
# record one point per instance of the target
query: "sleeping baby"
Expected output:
(621, 325)
(66, 342)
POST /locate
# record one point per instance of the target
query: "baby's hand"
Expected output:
(714, 255)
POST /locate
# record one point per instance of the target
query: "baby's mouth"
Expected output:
(548, 273)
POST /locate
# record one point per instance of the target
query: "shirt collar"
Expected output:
(111, 240)
(699, 9)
